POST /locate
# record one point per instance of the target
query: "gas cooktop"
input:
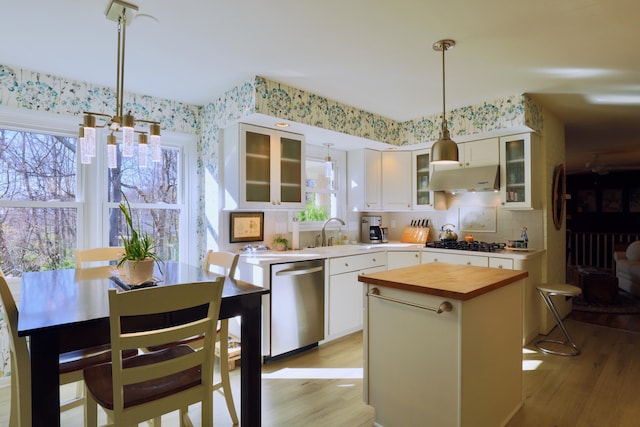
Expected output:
(466, 246)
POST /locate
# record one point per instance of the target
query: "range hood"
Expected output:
(480, 178)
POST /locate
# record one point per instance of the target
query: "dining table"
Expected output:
(68, 309)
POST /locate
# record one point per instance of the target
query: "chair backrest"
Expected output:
(98, 255)
(21, 368)
(228, 261)
(158, 300)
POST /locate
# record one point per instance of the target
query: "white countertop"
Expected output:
(326, 252)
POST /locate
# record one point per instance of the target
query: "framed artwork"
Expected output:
(246, 227)
(586, 201)
(611, 200)
(634, 200)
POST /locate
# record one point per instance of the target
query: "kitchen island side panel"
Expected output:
(458, 368)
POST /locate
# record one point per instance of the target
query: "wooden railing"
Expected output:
(596, 249)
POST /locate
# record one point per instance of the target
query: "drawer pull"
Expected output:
(444, 306)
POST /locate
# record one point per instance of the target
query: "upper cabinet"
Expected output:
(518, 154)
(364, 191)
(263, 168)
(379, 180)
(396, 180)
(482, 152)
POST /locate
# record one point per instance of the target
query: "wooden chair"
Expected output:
(146, 386)
(97, 256)
(71, 364)
(228, 262)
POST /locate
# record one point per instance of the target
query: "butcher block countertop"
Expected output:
(461, 282)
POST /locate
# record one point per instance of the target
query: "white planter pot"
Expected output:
(139, 271)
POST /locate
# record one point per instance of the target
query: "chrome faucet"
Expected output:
(324, 234)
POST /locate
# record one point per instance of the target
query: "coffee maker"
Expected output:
(371, 231)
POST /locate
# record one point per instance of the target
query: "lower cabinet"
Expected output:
(345, 294)
(400, 259)
(478, 261)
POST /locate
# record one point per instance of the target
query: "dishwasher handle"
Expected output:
(298, 271)
(443, 307)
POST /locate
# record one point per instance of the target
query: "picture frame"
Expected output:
(246, 227)
(634, 200)
(611, 200)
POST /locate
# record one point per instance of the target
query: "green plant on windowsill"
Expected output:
(280, 243)
(139, 248)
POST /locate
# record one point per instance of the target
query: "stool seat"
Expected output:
(546, 292)
(561, 289)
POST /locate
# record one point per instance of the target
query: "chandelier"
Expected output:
(120, 12)
(445, 149)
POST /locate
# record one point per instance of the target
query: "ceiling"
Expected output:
(372, 54)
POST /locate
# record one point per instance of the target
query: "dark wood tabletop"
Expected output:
(64, 310)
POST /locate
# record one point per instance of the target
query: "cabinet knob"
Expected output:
(500, 266)
(416, 255)
(468, 262)
(346, 264)
(374, 260)
(435, 260)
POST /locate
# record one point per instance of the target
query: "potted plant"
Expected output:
(139, 250)
(280, 243)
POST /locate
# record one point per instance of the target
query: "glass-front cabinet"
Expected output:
(263, 168)
(422, 197)
(518, 189)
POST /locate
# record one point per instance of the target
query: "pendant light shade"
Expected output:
(444, 150)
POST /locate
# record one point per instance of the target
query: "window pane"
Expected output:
(156, 183)
(321, 197)
(37, 167)
(33, 239)
(162, 225)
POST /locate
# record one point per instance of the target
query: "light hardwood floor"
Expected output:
(323, 387)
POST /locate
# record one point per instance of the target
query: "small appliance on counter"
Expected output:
(385, 234)
(371, 232)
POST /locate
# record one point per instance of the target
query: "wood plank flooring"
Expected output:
(323, 387)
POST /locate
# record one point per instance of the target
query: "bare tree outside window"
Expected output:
(39, 206)
(37, 180)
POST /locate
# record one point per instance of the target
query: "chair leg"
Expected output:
(90, 411)
(224, 370)
(568, 341)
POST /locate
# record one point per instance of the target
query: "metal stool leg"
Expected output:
(546, 297)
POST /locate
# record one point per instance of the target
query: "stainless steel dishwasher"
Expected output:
(297, 306)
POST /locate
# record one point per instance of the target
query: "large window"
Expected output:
(50, 204)
(38, 212)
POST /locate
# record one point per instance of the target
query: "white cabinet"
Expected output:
(364, 191)
(482, 152)
(518, 157)
(345, 293)
(263, 168)
(399, 259)
(449, 258)
(422, 198)
(396, 180)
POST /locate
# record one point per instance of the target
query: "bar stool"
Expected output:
(546, 292)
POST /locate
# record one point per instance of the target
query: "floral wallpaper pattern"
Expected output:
(30, 90)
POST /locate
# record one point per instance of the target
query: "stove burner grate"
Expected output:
(466, 246)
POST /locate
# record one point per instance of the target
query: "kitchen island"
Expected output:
(443, 345)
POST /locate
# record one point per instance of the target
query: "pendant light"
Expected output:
(328, 163)
(444, 150)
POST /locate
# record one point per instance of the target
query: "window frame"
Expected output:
(91, 202)
(339, 158)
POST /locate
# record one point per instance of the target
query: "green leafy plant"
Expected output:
(280, 239)
(138, 245)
